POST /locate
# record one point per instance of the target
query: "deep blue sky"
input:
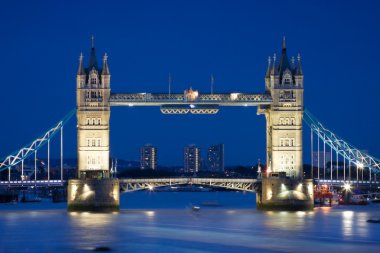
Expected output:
(145, 40)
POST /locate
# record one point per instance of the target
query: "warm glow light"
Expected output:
(234, 96)
(347, 187)
(74, 189)
(149, 213)
(150, 187)
(360, 165)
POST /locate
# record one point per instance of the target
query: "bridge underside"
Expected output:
(248, 185)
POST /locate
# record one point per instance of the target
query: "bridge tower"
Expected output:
(283, 180)
(93, 190)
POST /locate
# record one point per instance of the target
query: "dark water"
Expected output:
(164, 222)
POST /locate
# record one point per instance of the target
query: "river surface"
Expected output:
(165, 222)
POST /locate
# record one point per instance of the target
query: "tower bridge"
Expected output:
(282, 105)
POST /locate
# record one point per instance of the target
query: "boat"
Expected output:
(195, 208)
(373, 221)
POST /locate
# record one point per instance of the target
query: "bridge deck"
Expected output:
(230, 183)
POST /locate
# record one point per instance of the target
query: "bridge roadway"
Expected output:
(160, 99)
(21, 183)
(351, 182)
(134, 184)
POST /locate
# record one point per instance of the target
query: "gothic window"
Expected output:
(99, 121)
(288, 94)
(99, 142)
(293, 121)
(93, 142)
(281, 121)
(287, 78)
(93, 80)
(88, 142)
(87, 94)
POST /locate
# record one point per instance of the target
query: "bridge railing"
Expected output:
(173, 98)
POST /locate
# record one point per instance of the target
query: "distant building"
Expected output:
(192, 159)
(215, 158)
(148, 157)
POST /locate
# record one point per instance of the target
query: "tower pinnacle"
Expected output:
(92, 41)
(283, 43)
(80, 67)
(274, 68)
(299, 68)
(105, 70)
(268, 69)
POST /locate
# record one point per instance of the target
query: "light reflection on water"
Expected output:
(164, 222)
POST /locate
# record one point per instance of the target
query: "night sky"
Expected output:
(339, 43)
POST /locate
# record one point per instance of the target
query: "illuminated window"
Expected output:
(93, 80)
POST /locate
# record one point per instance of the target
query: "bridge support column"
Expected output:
(100, 195)
(279, 192)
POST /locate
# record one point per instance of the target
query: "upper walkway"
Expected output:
(160, 99)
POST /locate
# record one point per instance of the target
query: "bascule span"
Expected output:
(133, 184)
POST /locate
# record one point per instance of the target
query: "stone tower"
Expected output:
(94, 190)
(93, 115)
(284, 117)
(283, 185)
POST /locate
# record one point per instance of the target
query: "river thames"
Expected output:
(165, 222)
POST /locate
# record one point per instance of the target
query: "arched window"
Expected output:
(287, 78)
(93, 80)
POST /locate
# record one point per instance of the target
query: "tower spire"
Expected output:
(284, 61)
(93, 63)
(80, 67)
(299, 68)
